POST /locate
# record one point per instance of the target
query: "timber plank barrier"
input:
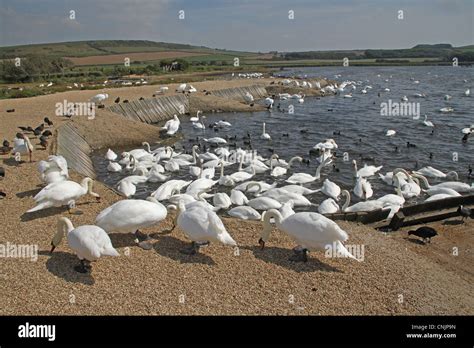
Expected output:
(73, 147)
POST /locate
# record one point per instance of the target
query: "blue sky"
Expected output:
(254, 25)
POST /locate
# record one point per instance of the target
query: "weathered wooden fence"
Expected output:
(237, 93)
(71, 145)
(152, 110)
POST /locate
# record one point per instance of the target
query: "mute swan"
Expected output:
(155, 174)
(63, 193)
(435, 173)
(441, 190)
(253, 188)
(199, 185)
(22, 147)
(238, 197)
(467, 93)
(165, 190)
(199, 125)
(131, 215)
(140, 178)
(390, 133)
(264, 203)
(126, 188)
(392, 199)
(286, 209)
(441, 196)
(361, 206)
(281, 170)
(216, 141)
(110, 155)
(223, 124)
(304, 178)
(245, 213)
(362, 188)
(240, 176)
(284, 196)
(299, 189)
(201, 225)
(409, 189)
(225, 180)
(365, 171)
(331, 189)
(221, 200)
(114, 167)
(172, 126)
(99, 98)
(454, 185)
(446, 109)
(196, 119)
(269, 103)
(53, 170)
(88, 242)
(311, 231)
(428, 123)
(388, 178)
(328, 206)
(265, 135)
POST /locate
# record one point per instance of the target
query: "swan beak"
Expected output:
(52, 248)
(261, 243)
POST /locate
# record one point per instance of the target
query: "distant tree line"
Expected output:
(29, 68)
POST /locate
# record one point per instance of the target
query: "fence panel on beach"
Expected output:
(152, 110)
(238, 93)
(75, 150)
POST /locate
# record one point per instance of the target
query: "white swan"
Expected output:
(88, 242)
(390, 133)
(441, 190)
(328, 206)
(284, 196)
(22, 147)
(265, 135)
(245, 213)
(388, 178)
(238, 197)
(110, 155)
(362, 188)
(263, 186)
(114, 167)
(221, 200)
(126, 188)
(311, 231)
(240, 176)
(63, 193)
(199, 185)
(393, 199)
(331, 189)
(428, 123)
(467, 92)
(53, 170)
(299, 189)
(196, 119)
(201, 225)
(225, 180)
(282, 170)
(454, 185)
(165, 190)
(304, 178)
(172, 126)
(264, 203)
(155, 174)
(431, 172)
(361, 206)
(366, 170)
(216, 141)
(131, 215)
(441, 196)
(409, 189)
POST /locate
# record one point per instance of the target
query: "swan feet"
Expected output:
(143, 240)
(194, 248)
(83, 268)
(301, 255)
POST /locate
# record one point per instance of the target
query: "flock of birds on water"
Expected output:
(210, 163)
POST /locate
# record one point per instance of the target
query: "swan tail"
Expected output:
(110, 251)
(341, 250)
(40, 206)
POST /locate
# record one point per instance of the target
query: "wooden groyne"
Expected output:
(70, 144)
(238, 93)
(153, 110)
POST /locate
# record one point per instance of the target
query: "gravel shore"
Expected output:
(397, 275)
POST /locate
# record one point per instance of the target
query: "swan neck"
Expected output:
(267, 228)
(348, 200)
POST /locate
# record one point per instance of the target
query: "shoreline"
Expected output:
(216, 281)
